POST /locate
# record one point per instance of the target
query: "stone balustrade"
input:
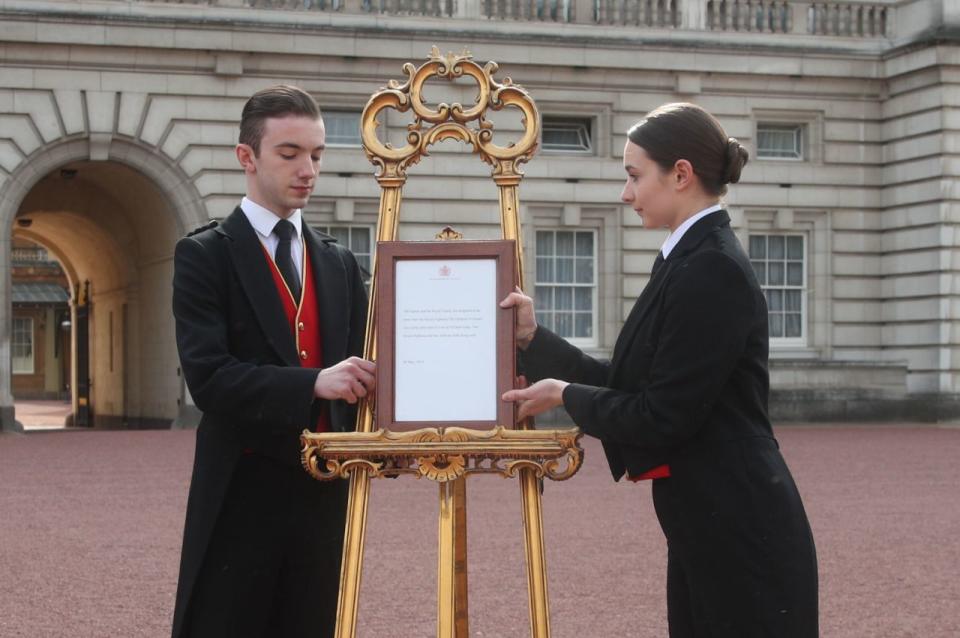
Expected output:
(850, 19)
(840, 18)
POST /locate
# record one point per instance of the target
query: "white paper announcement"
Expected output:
(445, 340)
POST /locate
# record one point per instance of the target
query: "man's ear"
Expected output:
(245, 156)
(683, 174)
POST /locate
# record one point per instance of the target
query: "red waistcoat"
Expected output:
(304, 321)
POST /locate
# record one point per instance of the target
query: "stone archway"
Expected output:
(113, 222)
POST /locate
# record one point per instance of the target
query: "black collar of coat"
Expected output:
(329, 280)
(695, 235)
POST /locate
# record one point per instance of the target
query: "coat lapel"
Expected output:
(330, 282)
(637, 314)
(246, 251)
(645, 303)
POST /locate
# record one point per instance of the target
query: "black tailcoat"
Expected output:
(241, 364)
(687, 385)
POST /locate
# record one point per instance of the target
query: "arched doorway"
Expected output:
(112, 228)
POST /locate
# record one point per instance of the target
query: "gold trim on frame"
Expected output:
(443, 454)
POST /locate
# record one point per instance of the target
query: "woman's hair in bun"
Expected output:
(681, 130)
(737, 157)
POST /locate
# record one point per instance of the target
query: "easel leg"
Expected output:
(352, 562)
(536, 562)
(462, 616)
(446, 596)
(452, 561)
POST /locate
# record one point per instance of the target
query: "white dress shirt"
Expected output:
(674, 238)
(263, 221)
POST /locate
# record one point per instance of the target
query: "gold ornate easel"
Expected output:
(446, 455)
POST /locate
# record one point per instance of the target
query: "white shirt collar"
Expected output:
(263, 219)
(674, 238)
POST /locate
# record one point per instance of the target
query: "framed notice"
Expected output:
(445, 347)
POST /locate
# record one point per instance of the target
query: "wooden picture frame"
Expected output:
(445, 323)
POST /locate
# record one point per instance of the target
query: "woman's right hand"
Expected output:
(526, 319)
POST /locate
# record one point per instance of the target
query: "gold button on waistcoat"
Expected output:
(303, 354)
(300, 326)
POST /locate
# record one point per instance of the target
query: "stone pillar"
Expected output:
(693, 15)
(7, 421)
(467, 9)
(583, 12)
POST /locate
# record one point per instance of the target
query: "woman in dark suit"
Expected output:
(683, 401)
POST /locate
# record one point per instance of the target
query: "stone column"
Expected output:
(7, 422)
(583, 11)
(693, 14)
(467, 9)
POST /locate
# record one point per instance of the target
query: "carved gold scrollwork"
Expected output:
(448, 233)
(443, 454)
(449, 121)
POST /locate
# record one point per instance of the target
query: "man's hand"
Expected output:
(526, 319)
(350, 380)
(540, 397)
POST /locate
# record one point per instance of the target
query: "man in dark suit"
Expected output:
(270, 318)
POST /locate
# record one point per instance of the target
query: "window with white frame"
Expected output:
(570, 134)
(342, 128)
(22, 345)
(359, 239)
(781, 265)
(566, 283)
(780, 141)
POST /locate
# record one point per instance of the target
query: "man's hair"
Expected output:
(274, 101)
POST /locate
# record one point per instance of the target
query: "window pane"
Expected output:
(775, 300)
(795, 274)
(544, 269)
(584, 244)
(546, 320)
(584, 270)
(775, 244)
(565, 270)
(792, 325)
(567, 134)
(544, 243)
(566, 278)
(775, 274)
(584, 326)
(544, 298)
(758, 246)
(22, 346)
(776, 324)
(583, 298)
(565, 244)
(792, 300)
(794, 247)
(761, 269)
(779, 141)
(342, 127)
(360, 242)
(563, 324)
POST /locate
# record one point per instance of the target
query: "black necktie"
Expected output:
(284, 259)
(656, 264)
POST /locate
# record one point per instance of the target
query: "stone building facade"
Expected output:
(118, 120)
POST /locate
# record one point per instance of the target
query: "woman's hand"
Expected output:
(543, 395)
(526, 319)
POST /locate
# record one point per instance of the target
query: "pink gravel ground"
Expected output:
(91, 523)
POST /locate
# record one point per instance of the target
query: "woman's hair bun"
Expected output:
(737, 157)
